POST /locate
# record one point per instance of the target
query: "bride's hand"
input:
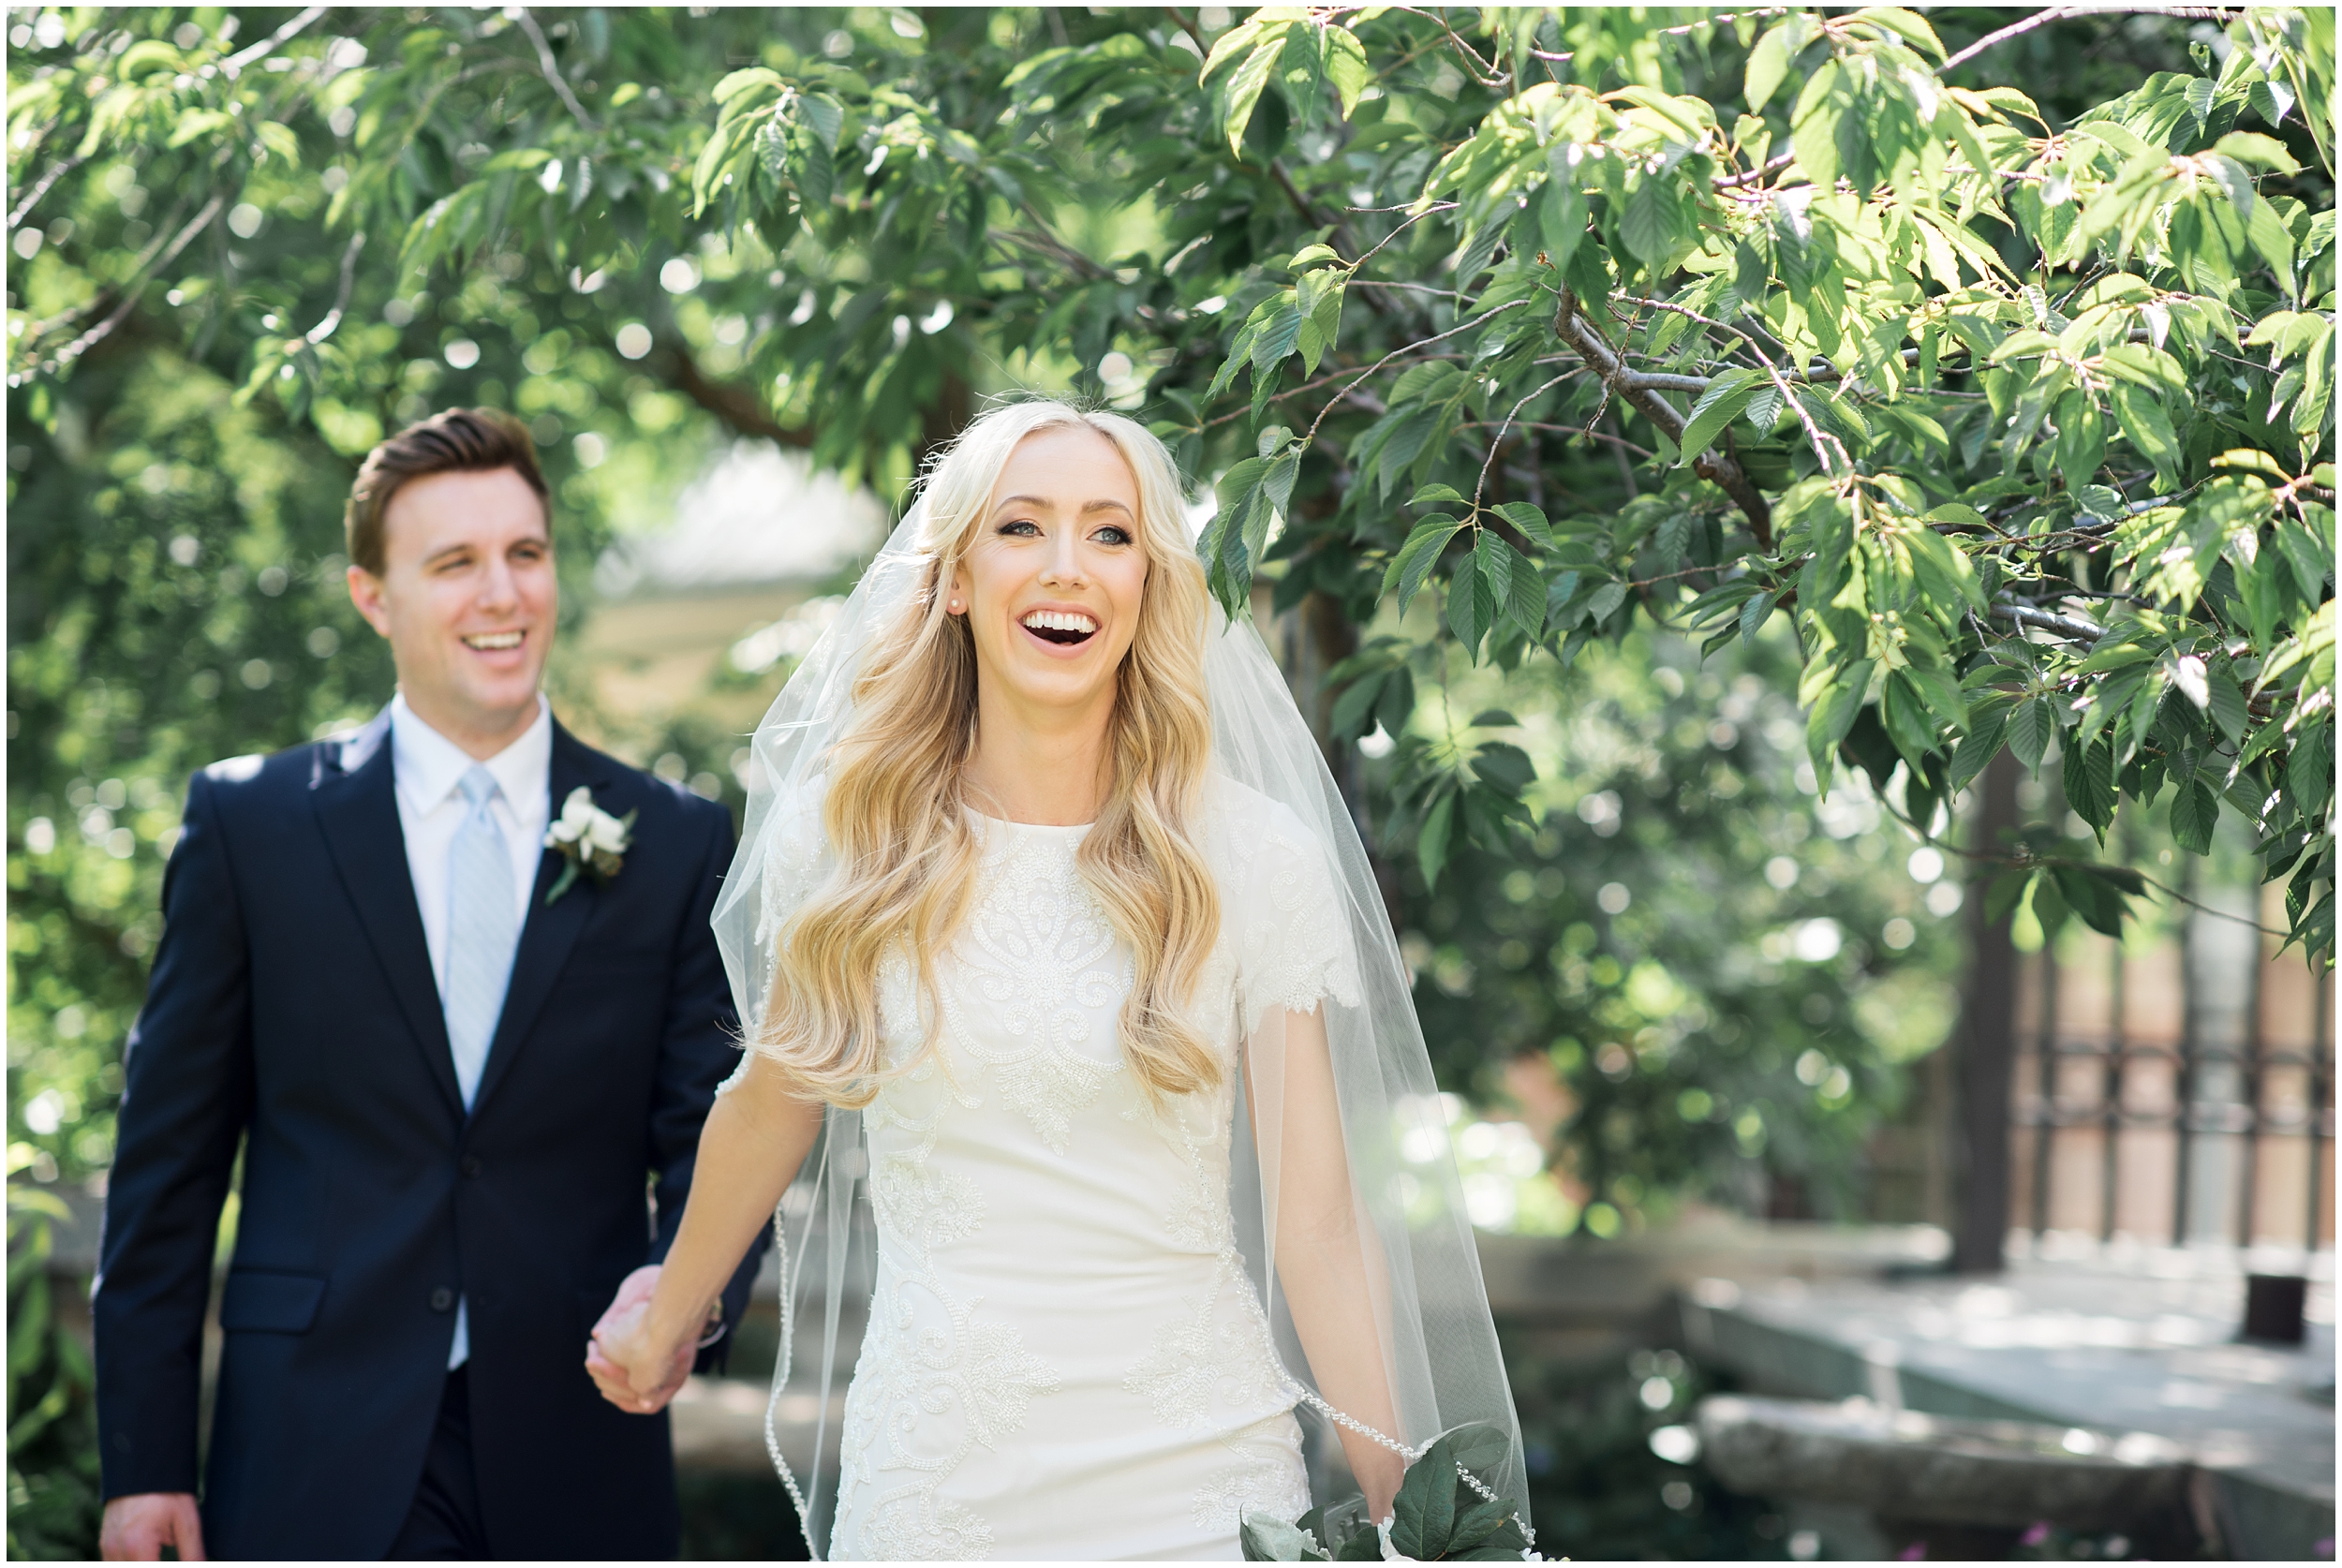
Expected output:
(638, 1363)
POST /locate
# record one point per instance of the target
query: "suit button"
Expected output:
(471, 1165)
(442, 1299)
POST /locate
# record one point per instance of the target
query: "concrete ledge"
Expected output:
(2068, 1345)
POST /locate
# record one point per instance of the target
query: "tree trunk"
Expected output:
(1987, 1045)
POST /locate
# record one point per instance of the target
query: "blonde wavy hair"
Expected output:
(896, 809)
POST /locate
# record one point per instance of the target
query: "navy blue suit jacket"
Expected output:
(292, 1012)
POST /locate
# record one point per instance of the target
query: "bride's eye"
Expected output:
(1113, 534)
(1021, 528)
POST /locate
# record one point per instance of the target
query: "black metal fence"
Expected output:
(2179, 1093)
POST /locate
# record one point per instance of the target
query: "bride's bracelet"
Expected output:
(1484, 1492)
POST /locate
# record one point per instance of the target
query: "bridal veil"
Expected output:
(1438, 1346)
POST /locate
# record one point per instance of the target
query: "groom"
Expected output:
(451, 1073)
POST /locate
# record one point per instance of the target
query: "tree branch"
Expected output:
(131, 296)
(2039, 19)
(1191, 30)
(57, 171)
(1048, 244)
(730, 402)
(1721, 469)
(551, 68)
(1734, 182)
(234, 63)
(2072, 628)
(325, 328)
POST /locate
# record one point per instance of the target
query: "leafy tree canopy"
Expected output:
(2017, 406)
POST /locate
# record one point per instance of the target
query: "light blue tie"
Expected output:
(482, 929)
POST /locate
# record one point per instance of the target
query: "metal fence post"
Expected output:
(2184, 1078)
(1988, 1030)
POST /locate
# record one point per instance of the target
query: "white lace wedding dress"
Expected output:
(1064, 1357)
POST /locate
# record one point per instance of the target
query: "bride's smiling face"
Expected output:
(1052, 582)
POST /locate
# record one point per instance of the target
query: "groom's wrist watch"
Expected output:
(714, 1324)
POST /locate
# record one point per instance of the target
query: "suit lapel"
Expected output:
(356, 807)
(549, 930)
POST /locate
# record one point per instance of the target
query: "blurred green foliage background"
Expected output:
(1688, 973)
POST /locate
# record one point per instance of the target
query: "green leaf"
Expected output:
(1474, 258)
(1834, 710)
(1505, 767)
(1495, 560)
(1466, 595)
(1353, 710)
(2147, 427)
(2200, 96)
(1346, 66)
(1907, 26)
(1432, 843)
(2050, 907)
(1423, 1516)
(825, 116)
(2003, 893)
(2309, 771)
(2269, 236)
(1525, 603)
(1604, 603)
(2096, 900)
(1473, 1526)
(1417, 557)
(1268, 1539)
(1814, 125)
(1530, 520)
(1244, 88)
(1278, 337)
(2311, 564)
(1562, 207)
(2088, 776)
(1767, 65)
(1234, 41)
(2271, 101)
(2195, 809)
(740, 81)
(1649, 223)
(1945, 570)
(1987, 727)
(2253, 147)
(816, 175)
(2227, 707)
(1718, 407)
(2030, 729)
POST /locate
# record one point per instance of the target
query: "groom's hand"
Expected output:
(633, 1373)
(137, 1528)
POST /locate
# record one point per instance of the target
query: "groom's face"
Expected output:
(468, 599)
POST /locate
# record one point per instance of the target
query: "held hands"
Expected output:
(638, 1363)
(136, 1528)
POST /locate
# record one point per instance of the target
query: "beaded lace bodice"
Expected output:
(1065, 1358)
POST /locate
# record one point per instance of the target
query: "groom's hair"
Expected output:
(458, 440)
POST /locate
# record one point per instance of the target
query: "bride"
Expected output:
(1055, 944)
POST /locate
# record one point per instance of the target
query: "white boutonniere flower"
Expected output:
(590, 840)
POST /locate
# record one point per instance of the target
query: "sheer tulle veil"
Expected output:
(1438, 1347)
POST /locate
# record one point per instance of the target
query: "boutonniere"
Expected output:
(590, 839)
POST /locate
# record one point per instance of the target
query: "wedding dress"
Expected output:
(1065, 1358)
(1092, 1317)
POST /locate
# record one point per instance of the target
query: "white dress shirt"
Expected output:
(425, 768)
